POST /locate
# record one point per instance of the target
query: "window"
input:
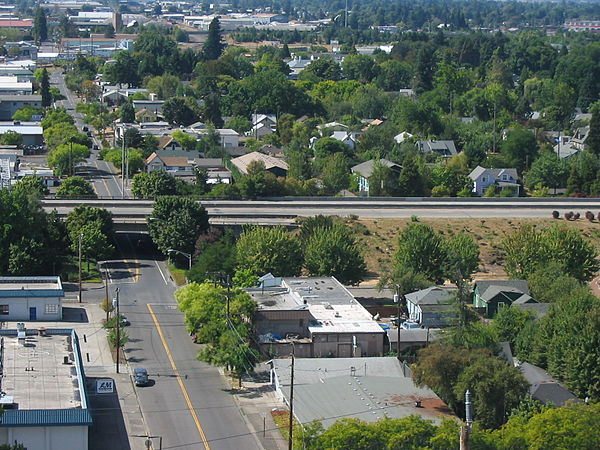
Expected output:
(51, 308)
(501, 305)
(4, 310)
(484, 179)
(504, 177)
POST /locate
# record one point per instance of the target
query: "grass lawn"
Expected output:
(89, 272)
(379, 238)
(179, 275)
(282, 420)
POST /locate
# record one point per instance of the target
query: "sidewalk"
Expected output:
(256, 400)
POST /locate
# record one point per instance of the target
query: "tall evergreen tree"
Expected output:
(213, 47)
(45, 89)
(127, 113)
(40, 27)
(593, 139)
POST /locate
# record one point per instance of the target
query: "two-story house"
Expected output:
(500, 178)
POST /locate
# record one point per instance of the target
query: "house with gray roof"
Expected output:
(499, 178)
(544, 388)
(365, 170)
(495, 294)
(369, 389)
(445, 149)
(431, 307)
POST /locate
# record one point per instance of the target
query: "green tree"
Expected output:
(593, 139)
(548, 170)
(336, 174)
(32, 185)
(221, 320)
(411, 182)
(423, 250)
(528, 249)
(508, 323)
(65, 157)
(359, 67)
(462, 257)
(178, 111)
(24, 114)
(84, 215)
(519, 148)
(94, 243)
(40, 26)
(321, 70)
(333, 251)
(11, 138)
(213, 47)
(45, 89)
(176, 223)
(127, 113)
(265, 250)
(74, 187)
(382, 182)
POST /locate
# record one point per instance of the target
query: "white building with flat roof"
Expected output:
(31, 298)
(44, 392)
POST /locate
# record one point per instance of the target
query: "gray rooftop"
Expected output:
(443, 148)
(516, 285)
(383, 392)
(416, 335)
(544, 388)
(35, 376)
(495, 173)
(31, 287)
(366, 168)
(20, 98)
(538, 309)
(434, 295)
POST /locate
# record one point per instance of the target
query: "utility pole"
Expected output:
(118, 329)
(291, 422)
(80, 237)
(466, 429)
(397, 301)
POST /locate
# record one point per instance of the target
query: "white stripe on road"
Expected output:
(161, 272)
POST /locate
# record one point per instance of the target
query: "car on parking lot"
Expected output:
(140, 376)
(409, 325)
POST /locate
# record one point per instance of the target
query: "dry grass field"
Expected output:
(379, 238)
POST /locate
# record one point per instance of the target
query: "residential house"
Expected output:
(317, 315)
(296, 66)
(169, 143)
(228, 137)
(260, 130)
(368, 389)
(499, 178)
(215, 170)
(365, 170)
(445, 149)
(175, 165)
(400, 138)
(329, 127)
(115, 95)
(350, 138)
(495, 294)
(269, 120)
(276, 166)
(271, 150)
(431, 307)
(153, 106)
(409, 93)
(22, 49)
(544, 388)
(143, 115)
(580, 136)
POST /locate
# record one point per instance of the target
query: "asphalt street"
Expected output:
(188, 402)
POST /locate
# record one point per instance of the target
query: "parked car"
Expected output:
(125, 322)
(409, 325)
(140, 376)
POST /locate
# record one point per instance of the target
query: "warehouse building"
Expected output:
(43, 390)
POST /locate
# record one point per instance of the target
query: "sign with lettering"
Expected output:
(105, 386)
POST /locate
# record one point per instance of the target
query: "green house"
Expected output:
(495, 294)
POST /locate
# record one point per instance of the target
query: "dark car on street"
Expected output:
(140, 376)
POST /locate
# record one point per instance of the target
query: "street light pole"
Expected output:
(187, 255)
(123, 164)
(80, 237)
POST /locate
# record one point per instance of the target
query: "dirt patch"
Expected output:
(379, 239)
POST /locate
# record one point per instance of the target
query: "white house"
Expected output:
(350, 138)
(31, 298)
(400, 138)
(501, 178)
(228, 137)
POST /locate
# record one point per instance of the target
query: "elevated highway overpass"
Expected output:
(130, 214)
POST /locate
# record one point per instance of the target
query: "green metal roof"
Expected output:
(45, 417)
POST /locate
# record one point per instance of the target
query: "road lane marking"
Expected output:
(179, 380)
(161, 272)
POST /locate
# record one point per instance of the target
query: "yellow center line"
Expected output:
(181, 384)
